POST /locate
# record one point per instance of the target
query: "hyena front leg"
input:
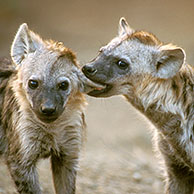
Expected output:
(64, 174)
(2, 140)
(180, 178)
(25, 176)
(178, 185)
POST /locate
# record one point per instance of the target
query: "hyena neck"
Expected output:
(168, 104)
(165, 97)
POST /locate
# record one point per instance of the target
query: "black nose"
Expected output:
(89, 70)
(48, 110)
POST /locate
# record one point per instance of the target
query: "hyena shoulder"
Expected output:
(7, 69)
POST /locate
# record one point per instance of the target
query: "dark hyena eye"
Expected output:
(63, 85)
(33, 84)
(122, 64)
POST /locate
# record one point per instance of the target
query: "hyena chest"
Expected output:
(176, 133)
(187, 142)
(38, 142)
(45, 146)
(181, 139)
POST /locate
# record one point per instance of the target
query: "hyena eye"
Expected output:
(33, 84)
(122, 64)
(64, 85)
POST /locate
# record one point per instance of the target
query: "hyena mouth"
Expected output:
(47, 119)
(100, 92)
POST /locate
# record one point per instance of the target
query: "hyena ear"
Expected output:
(25, 42)
(169, 61)
(124, 27)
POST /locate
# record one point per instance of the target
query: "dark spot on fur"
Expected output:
(184, 92)
(125, 83)
(175, 88)
(174, 85)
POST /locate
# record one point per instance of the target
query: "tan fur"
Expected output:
(155, 79)
(145, 38)
(45, 120)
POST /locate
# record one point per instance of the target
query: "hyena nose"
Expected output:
(48, 110)
(89, 70)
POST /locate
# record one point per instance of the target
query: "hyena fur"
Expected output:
(154, 78)
(42, 111)
(6, 70)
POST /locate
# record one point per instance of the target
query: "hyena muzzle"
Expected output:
(155, 79)
(42, 111)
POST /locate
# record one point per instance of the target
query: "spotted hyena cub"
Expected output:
(155, 79)
(41, 111)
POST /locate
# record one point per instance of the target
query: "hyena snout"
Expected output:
(89, 70)
(94, 73)
(48, 109)
(97, 75)
(48, 112)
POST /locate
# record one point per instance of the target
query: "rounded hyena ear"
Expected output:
(124, 27)
(169, 61)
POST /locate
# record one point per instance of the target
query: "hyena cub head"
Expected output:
(132, 58)
(47, 75)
